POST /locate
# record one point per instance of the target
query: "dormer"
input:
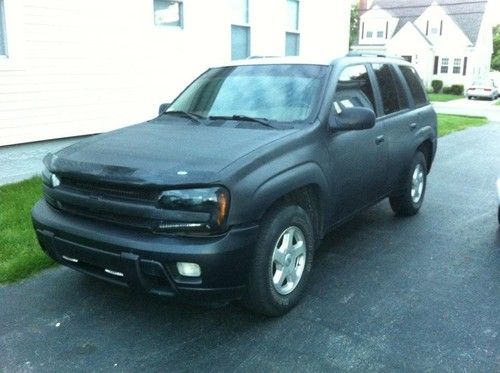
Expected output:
(440, 28)
(376, 26)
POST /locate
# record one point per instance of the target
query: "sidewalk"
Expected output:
(19, 162)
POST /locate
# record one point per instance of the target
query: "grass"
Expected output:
(20, 254)
(450, 123)
(441, 97)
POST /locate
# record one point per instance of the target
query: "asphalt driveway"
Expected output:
(386, 294)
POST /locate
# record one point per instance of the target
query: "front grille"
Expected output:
(109, 217)
(107, 190)
(121, 205)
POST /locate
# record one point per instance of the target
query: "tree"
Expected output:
(353, 36)
(495, 59)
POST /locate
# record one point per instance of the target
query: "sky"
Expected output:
(495, 11)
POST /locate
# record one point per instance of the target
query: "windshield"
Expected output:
(284, 93)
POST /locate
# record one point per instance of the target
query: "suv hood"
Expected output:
(160, 153)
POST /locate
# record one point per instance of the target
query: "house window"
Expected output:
(292, 36)
(168, 13)
(434, 30)
(444, 65)
(240, 29)
(369, 34)
(457, 65)
(240, 42)
(380, 34)
(293, 15)
(3, 36)
(292, 44)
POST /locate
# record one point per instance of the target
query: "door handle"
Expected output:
(413, 126)
(379, 139)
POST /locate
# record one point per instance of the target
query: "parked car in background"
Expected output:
(483, 89)
(228, 192)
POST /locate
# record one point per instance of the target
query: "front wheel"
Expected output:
(282, 262)
(409, 201)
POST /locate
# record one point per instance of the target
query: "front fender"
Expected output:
(256, 204)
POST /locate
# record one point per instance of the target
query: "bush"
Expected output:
(455, 89)
(437, 85)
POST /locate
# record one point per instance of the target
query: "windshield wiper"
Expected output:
(194, 117)
(245, 118)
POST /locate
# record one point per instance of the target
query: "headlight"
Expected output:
(207, 207)
(50, 179)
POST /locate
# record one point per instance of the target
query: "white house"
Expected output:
(72, 67)
(449, 40)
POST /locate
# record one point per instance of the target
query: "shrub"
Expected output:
(437, 85)
(455, 89)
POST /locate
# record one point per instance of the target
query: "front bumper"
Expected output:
(147, 261)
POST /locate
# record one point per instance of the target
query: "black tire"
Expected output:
(403, 203)
(262, 296)
(469, 97)
(498, 214)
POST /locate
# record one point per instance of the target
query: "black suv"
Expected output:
(228, 192)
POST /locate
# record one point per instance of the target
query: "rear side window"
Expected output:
(415, 84)
(389, 92)
(354, 89)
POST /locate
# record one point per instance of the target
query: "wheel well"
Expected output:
(426, 149)
(307, 197)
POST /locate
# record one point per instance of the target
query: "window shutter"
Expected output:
(441, 28)
(427, 28)
(436, 63)
(386, 29)
(362, 30)
(465, 66)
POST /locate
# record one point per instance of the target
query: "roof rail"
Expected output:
(360, 53)
(365, 53)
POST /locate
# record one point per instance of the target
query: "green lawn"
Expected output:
(441, 97)
(20, 255)
(450, 123)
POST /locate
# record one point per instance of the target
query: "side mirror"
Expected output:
(352, 119)
(162, 108)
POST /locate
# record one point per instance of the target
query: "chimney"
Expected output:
(362, 6)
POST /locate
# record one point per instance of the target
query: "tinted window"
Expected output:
(389, 91)
(278, 92)
(415, 84)
(354, 89)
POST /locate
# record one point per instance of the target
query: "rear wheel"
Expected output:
(409, 201)
(282, 262)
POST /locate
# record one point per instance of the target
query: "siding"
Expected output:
(80, 67)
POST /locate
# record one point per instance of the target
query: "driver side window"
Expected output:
(354, 89)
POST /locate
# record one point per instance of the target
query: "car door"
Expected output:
(398, 120)
(358, 159)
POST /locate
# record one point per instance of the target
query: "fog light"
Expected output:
(189, 269)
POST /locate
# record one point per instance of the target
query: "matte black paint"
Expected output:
(351, 170)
